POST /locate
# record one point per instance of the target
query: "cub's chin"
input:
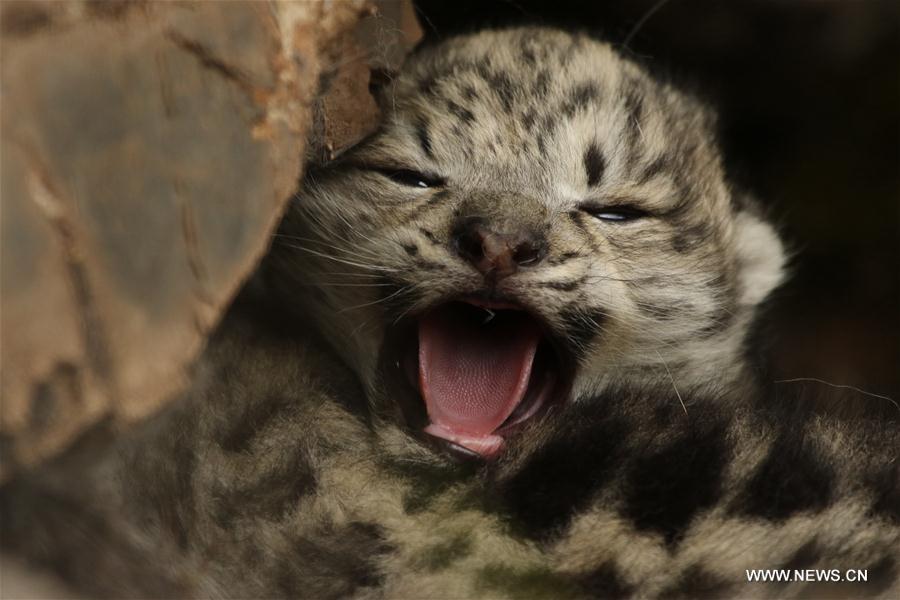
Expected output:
(468, 373)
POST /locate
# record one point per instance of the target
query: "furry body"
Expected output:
(262, 486)
(289, 471)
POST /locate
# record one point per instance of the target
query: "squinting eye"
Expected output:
(411, 178)
(616, 213)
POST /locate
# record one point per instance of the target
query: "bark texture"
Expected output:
(148, 150)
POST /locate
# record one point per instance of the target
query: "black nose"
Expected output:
(496, 255)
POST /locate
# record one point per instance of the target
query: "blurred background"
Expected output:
(808, 94)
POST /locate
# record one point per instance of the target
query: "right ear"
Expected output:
(761, 255)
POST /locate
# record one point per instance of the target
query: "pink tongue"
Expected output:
(472, 375)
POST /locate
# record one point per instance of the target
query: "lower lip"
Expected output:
(485, 446)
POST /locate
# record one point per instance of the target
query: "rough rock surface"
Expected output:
(147, 152)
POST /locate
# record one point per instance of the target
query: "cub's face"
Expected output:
(536, 220)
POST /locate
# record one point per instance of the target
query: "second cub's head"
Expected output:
(535, 221)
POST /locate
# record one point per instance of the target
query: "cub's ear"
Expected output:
(761, 256)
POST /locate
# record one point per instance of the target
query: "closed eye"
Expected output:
(616, 213)
(410, 178)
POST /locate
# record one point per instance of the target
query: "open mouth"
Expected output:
(473, 372)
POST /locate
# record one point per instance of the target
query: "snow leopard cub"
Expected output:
(517, 369)
(536, 222)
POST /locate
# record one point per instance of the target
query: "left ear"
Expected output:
(760, 256)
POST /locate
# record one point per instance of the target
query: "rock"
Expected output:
(148, 150)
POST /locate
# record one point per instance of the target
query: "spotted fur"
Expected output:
(667, 298)
(285, 472)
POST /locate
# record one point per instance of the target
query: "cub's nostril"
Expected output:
(470, 244)
(496, 255)
(528, 253)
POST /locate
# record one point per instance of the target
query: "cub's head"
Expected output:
(536, 221)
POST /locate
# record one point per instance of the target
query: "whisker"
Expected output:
(672, 379)
(342, 249)
(340, 260)
(333, 284)
(839, 386)
(378, 301)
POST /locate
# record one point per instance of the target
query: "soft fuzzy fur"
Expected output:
(285, 472)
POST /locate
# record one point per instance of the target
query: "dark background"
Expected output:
(808, 94)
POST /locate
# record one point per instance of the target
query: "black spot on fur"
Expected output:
(542, 83)
(682, 206)
(585, 93)
(568, 256)
(429, 236)
(444, 553)
(667, 489)
(580, 97)
(469, 93)
(529, 118)
(411, 249)
(270, 493)
(554, 484)
(424, 138)
(438, 197)
(690, 237)
(528, 55)
(526, 584)
(558, 260)
(658, 165)
(594, 164)
(464, 114)
(245, 429)
(416, 212)
(549, 124)
(603, 582)
(696, 583)
(577, 218)
(333, 562)
(427, 481)
(792, 478)
(564, 286)
(500, 82)
(429, 265)
(503, 85)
